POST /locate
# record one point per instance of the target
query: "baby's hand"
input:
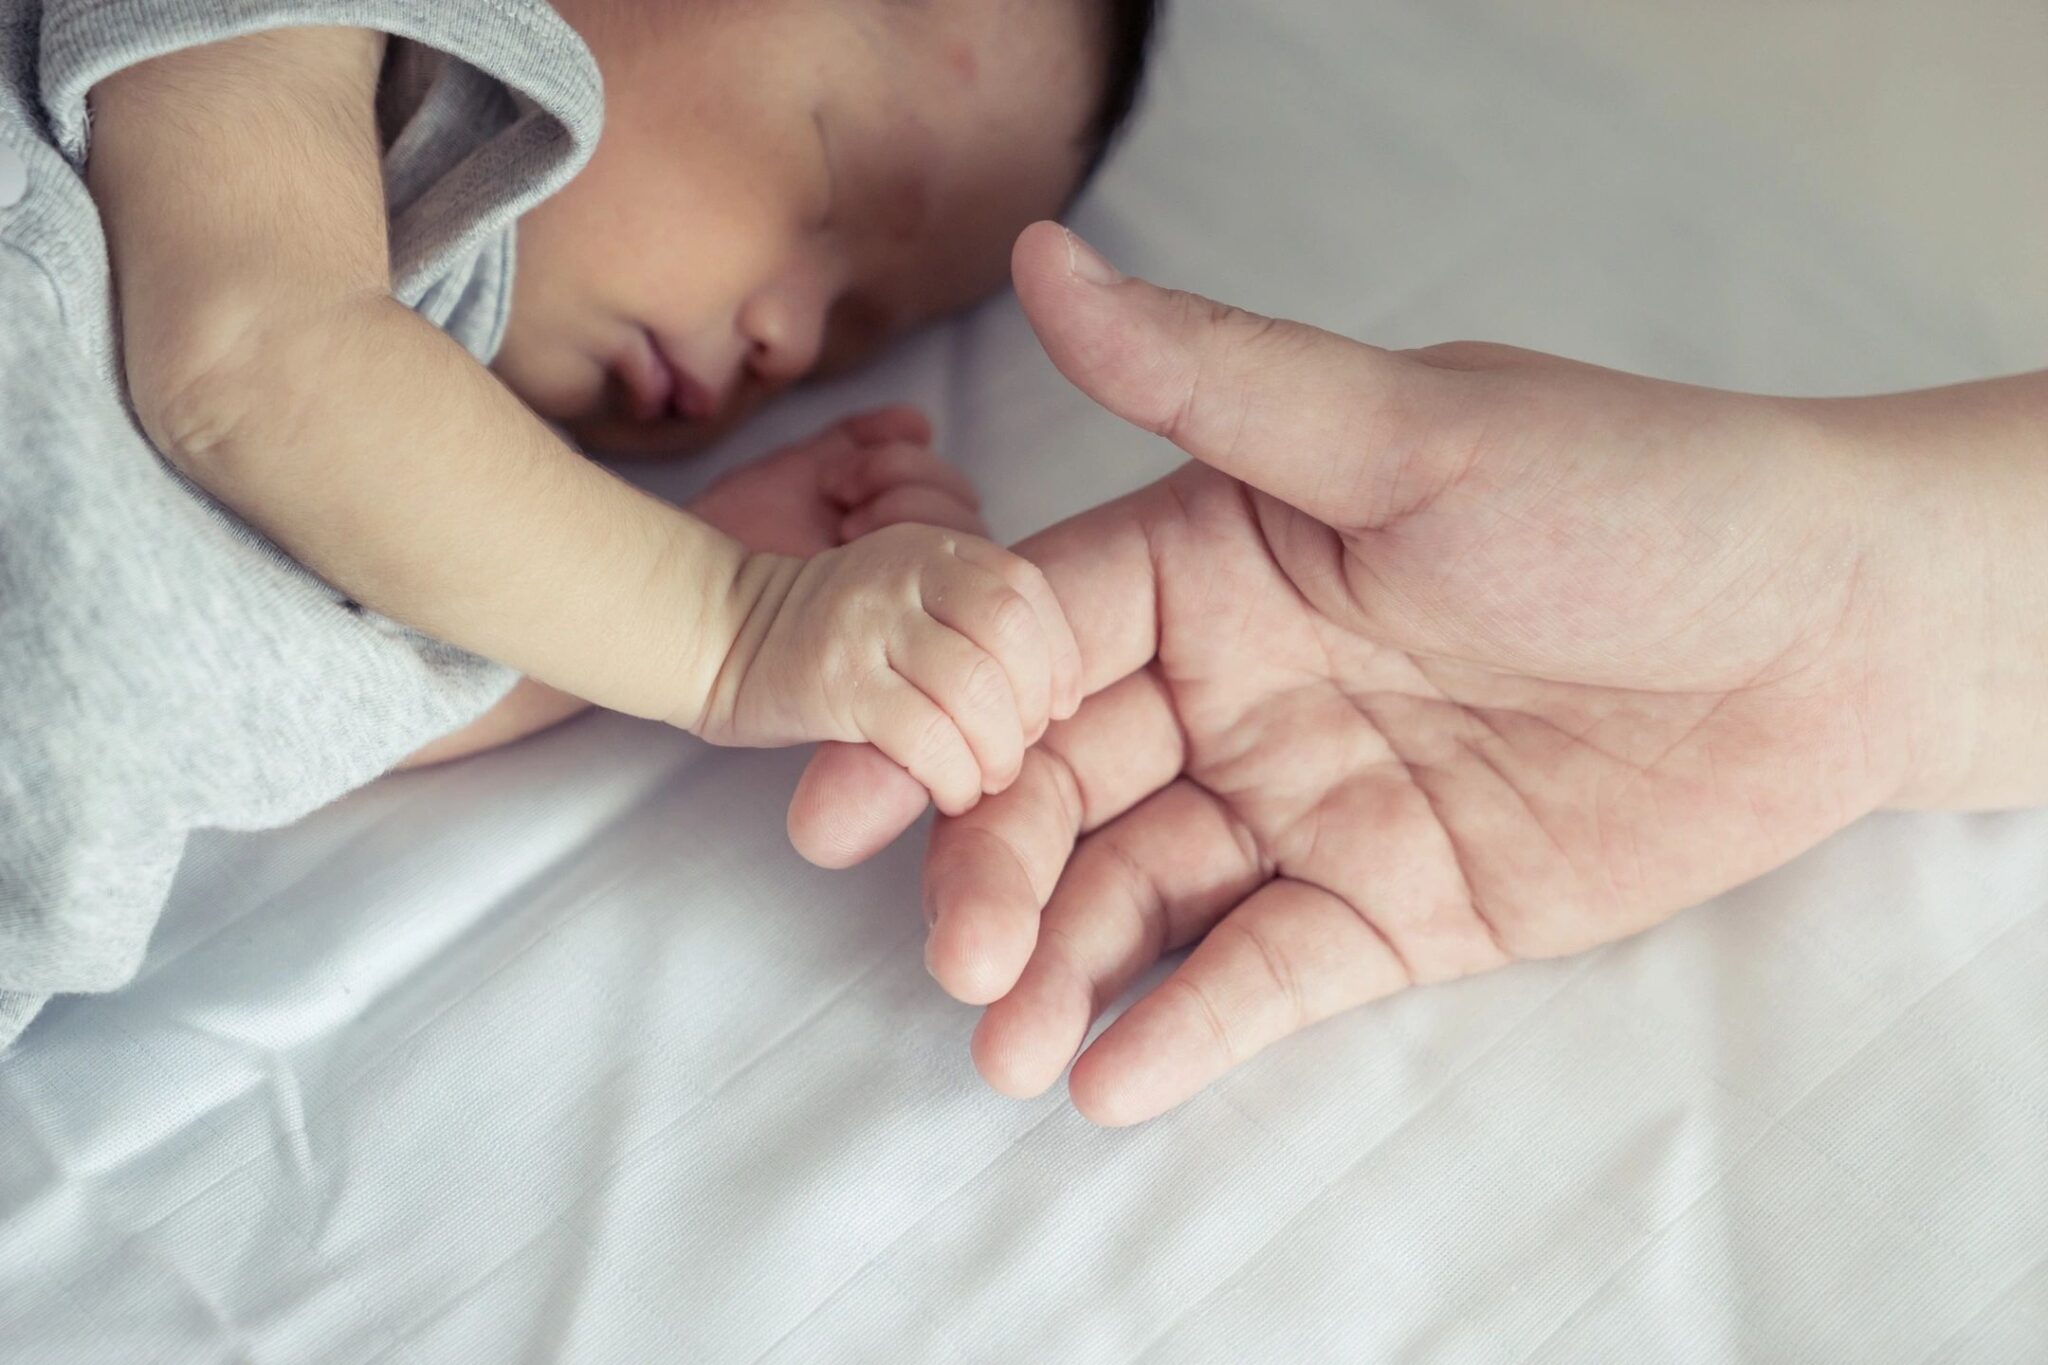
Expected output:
(871, 470)
(945, 652)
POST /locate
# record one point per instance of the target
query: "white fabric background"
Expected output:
(560, 1054)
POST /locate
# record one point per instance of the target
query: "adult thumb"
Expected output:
(1349, 433)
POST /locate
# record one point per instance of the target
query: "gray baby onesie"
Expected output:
(164, 667)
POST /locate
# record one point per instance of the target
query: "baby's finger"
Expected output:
(973, 689)
(912, 502)
(876, 469)
(976, 601)
(899, 422)
(1065, 682)
(830, 450)
(915, 733)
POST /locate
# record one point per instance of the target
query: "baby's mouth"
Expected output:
(657, 386)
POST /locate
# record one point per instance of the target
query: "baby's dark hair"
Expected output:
(1128, 29)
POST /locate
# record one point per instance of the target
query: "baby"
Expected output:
(309, 234)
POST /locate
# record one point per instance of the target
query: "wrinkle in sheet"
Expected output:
(2007, 1295)
(602, 1175)
(872, 1265)
(1776, 1127)
(555, 1314)
(1584, 965)
(139, 1237)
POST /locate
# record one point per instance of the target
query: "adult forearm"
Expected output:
(374, 450)
(1958, 491)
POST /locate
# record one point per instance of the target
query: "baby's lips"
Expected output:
(694, 401)
(645, 376)
(687, 395)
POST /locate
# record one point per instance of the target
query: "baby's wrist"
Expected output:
(754, 589)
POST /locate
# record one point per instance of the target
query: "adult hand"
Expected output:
(1488, 656)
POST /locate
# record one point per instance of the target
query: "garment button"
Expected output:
(13, 177)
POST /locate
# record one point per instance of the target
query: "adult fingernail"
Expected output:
(1085, 263)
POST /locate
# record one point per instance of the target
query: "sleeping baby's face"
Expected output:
(781, 187)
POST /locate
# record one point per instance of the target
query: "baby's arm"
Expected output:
(870, 470)
(267, 358)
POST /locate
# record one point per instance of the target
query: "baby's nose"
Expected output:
(784, 336)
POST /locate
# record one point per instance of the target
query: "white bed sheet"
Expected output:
(560, 1053)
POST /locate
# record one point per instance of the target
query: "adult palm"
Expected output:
(1433, 661)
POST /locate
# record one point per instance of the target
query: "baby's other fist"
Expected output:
(867, 471)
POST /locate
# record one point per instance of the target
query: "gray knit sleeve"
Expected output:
(526, 45)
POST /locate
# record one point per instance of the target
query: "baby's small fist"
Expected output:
(960, 655)
(975, 668)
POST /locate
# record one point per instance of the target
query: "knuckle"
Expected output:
(934, 742)
(1210, 1019)
(1280, 974)
(1012, 618)
(986, 687)
(1211, 399)
(1027, 577)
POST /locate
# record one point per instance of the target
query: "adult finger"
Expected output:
(1349, 433)
(1292, 954)
(1152, 881)
(989, 873)
(850, 804)
(1101, 567)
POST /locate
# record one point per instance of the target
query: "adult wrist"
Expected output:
(1956, 496)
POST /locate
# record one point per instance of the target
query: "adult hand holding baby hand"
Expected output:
(947, 653)
(875, 613)
(1437, 660)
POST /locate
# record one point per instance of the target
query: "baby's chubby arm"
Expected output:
(268, 360)
(866, 471)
